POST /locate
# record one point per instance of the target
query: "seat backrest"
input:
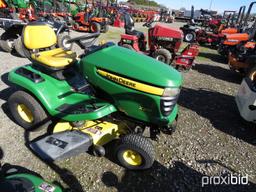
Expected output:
(39, 36)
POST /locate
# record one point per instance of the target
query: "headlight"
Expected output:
(171, 92)
(169, 100)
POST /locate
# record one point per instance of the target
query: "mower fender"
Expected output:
(57, 97)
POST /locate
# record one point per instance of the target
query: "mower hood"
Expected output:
(165, 31)
(229, 31)
(238, 36)
(234, 39)
(134, 66)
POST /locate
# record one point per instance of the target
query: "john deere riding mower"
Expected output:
(19, 179)
(110, 94)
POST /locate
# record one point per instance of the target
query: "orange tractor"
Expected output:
(85, 21)
(89, 19)
(241, 47)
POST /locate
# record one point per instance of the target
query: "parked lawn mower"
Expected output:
(16, 9)
(108, 95)
(164, 43)
(242, 57)
(16, 179)
(210, 33)
(88, 20)
(11, 38)
(230, 42)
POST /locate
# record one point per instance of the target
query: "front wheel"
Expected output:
(18, 45)
(163, 55)
(135, 152)
(95, 27)
(27, 111)
(190, 37)
(62, 41)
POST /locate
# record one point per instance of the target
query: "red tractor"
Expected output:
(163, 42)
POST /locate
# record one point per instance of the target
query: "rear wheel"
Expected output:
(95, 27)
(163, 55)
(7, 41)
(135, 152)
(26, 110)
(19, 47)
(190, 37)
(63, 41)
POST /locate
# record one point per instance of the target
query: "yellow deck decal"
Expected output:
(132, 84)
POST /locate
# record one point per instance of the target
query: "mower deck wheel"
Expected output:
(163, 55)
(62, 41)
(27, 111)
(135, 152)
(95, 27)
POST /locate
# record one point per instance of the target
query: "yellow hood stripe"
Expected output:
(132, 84)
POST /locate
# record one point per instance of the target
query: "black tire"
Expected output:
(138, 144)
(127, 46)
(19, 48)
(190, 37)
(105, 28)
(251, 72)
(7, 41)
(95, 27)
(40, 117)
(61, 41)
(163, 55)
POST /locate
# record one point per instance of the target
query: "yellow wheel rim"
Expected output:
(25, 113)
(132, 157)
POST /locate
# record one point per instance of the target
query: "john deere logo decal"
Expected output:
(120, 80)
(132, 84)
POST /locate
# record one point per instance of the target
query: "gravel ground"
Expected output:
(211, 138)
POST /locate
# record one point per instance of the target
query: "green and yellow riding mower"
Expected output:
(16, 179)
(110, 94)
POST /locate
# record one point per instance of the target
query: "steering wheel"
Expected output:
(83, 41)
(148, 23)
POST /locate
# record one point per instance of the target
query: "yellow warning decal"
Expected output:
(132, 84)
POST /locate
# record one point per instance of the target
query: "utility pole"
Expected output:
(210, 8)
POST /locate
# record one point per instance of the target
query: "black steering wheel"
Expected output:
(83, 41)
(148, 23)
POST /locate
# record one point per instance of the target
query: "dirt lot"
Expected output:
(211, 138)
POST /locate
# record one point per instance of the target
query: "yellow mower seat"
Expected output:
(40, 37)
(55, 58)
